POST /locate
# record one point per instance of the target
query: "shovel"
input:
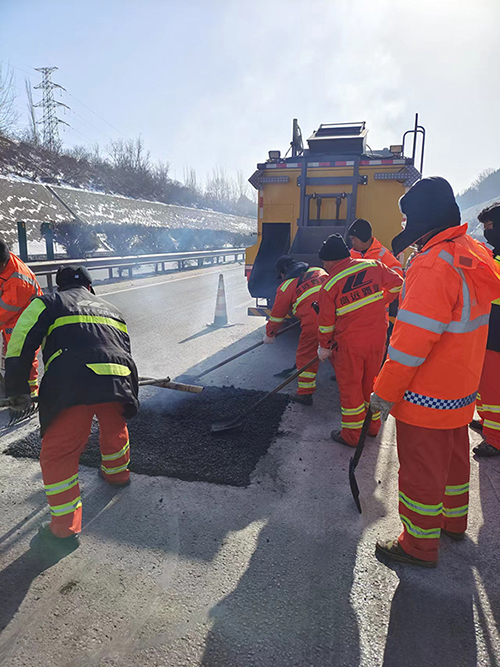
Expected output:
(195, 378)
(236, 422)
(355, 459)
(167, 383)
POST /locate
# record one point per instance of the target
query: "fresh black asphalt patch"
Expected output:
(171, 435)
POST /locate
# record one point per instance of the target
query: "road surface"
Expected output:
(281, 573)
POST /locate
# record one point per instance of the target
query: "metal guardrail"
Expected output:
(50, 267)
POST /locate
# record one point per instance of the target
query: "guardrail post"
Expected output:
(23, 240)
(130, 271)
(110, 273)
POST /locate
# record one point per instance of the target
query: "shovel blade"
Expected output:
(225, 425)
(353, 484)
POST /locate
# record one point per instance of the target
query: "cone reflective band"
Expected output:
(220, 318)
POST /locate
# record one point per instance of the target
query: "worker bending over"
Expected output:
(352, 314)
(430, 379)
(488, 396)
(298, 295)
(18, 285)
(366, 246)
(88, 371)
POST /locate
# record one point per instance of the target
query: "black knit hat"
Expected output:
(361, 229)
(428, 205)
(73, 276)
(283, 264)
(333, 249)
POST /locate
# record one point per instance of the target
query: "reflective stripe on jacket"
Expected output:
(86, 353)
(352, 302)
(379, 252)
(439, 340)
(18, 285)
(296, 295)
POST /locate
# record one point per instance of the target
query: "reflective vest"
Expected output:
(296, 296)
(378, 251)
(18, 285)
(86, 353)
(352, 302)
(439, 339)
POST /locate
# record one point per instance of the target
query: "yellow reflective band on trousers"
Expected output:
(451, 512)
(24, 325)
(422, 533)
(420, 508)
(327, 329)
(375, 416)
(311, 290)
(359, 304)
(306, 385)
(487, 408)
(353, 411)
(456, 490)
(117, 455)
(86, 319)
(61, 487)
(488, 423)
(352, 425)
(109, 369)
(67, 508)
(348, 272)
(113, 471)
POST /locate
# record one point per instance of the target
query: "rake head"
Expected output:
(17, 416)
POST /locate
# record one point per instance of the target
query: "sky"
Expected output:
(218, 82)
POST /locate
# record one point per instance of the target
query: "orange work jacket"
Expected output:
(296, 295)
(18, 285)
(352, 302)
(380, 252)
(439, 339)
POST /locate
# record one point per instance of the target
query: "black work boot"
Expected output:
(337, 436)
(394, 551)
(476, 425)
(52, 548)
(485, 449)
(458, 537)
(303, 399)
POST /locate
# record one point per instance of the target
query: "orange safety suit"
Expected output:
(380, 252)
(296, 295)
(488, 395)
(431, 375)
(18, 285)
(352, 314)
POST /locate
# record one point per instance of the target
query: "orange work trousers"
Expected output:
(488, 398)
(356, 368)
(63, 443)
(33, 381)
(433, 485)
(307, 350)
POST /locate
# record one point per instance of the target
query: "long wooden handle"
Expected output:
(279, 387)
(166, 383)
(240, 354)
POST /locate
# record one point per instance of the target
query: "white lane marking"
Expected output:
(163, 282)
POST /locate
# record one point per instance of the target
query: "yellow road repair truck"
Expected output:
(321, 190)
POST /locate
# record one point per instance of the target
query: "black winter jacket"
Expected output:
(86, 354)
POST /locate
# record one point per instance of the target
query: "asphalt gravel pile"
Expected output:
(171, 436)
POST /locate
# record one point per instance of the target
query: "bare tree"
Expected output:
(241, 185)
(33, 136)
(8, 114)
(219, 186)
(191, 180)
(130, 154)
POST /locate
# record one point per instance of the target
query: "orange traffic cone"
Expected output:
(220, 318)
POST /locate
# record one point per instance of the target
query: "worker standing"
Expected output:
(430, 379)
(298, 294)
(89, 371)
(352, 314)
(18, 285)
(366, 246)
(488, 396)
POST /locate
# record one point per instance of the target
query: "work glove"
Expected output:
(324, 353)
(268, 340)
(378, 404)
(20, 403)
